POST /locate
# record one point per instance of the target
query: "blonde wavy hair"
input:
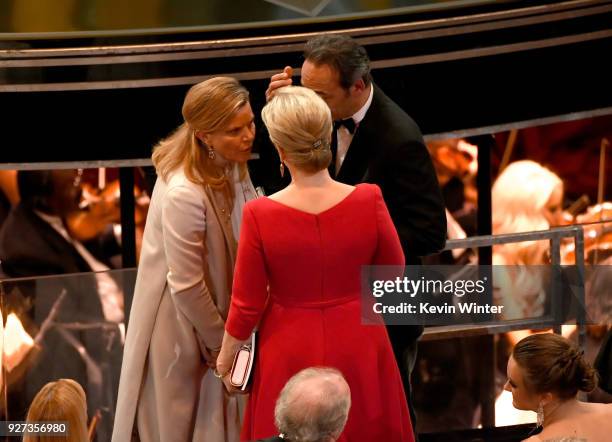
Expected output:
(519, 196)
(60, 401)
(299, 123)
(208, 106)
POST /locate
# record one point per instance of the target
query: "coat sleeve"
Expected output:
(389, 249)
(184, 233)
(250, 288)
(415, 200)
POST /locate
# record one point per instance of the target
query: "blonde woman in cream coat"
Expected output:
(168, 391)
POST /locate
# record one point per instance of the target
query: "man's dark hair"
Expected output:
(35, 186)
(342, 53)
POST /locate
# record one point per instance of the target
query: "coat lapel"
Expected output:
(355, 166)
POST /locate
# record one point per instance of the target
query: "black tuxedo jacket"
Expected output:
(388, 150)
(31, 247)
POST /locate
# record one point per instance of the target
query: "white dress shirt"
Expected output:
(111, 296)
(345, 137)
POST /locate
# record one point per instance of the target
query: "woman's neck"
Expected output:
(302, 180)
(220, 161)
(559, 410)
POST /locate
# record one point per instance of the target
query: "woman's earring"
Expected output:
(211, 153)
(540, 415)
(282, 169)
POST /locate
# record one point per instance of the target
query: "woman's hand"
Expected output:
(224, 373)
(225, 360)
(229, 387)
(211, 362)
(222, 370)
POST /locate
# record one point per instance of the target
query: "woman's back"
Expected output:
(318, 256)
(586, 423)
(311, 264)
(313, 200)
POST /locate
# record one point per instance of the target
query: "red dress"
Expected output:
(311, 314)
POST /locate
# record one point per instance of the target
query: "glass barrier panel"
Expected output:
(68, 326)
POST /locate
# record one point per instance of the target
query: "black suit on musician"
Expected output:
(387, 149)
(30, 247)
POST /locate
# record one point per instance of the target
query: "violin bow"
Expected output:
(601, 184)
(508, 149)
(602, 170)
(91, 430)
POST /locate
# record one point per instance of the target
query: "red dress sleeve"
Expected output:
(250, 286)
(389, 249)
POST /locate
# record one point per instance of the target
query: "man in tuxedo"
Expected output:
(375, 141)
(35, 242)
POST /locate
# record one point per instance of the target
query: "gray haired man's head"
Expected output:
(313, 406)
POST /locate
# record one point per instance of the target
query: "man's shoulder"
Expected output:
(386, 113)
(44, 248)
(20, 220)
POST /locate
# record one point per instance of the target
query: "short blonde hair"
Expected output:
(208, 106)
(519, 197)
(60, 401)
(299, 123)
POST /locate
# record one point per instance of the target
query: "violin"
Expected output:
(597, 225)
(597, 221)
(100, 207)
(456, 158)
(8, 186)
(452, 159)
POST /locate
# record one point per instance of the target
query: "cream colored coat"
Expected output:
(181, 301)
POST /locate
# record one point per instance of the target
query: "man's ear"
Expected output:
(359, 86)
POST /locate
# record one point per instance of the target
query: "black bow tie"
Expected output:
(349, 123)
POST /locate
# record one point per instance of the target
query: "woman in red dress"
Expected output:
(298, 276)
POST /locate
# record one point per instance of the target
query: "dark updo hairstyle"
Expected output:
(551, 364)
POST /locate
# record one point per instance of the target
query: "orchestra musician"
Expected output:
(526, 197)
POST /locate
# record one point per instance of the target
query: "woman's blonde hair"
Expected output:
(208, 106)
(520, 195)
(299, 123)
(60, 401)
